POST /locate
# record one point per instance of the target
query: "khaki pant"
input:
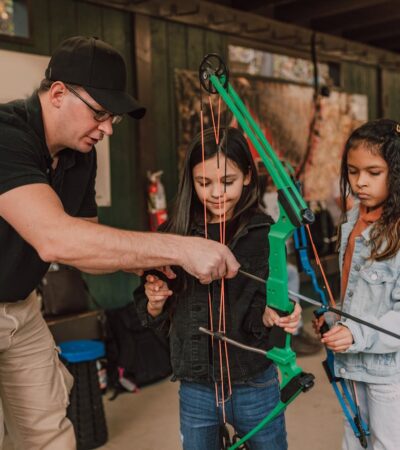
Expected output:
(34, 384)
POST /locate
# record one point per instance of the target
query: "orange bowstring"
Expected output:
(205, 224)
(210, 307)
(222, 222)
(222, 315)
(319, 264)
(216, 129)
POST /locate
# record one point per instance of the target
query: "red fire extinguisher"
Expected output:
(156, 202)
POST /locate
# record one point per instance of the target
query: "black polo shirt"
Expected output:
(25, 159)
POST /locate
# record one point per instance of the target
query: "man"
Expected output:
(48, 213)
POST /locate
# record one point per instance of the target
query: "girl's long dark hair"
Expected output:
(188, 209)
(381, 137)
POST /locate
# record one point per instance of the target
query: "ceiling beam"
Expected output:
(362, 18)
(255, 5)
(302, 12)
(374, 32)
(392, 42)
(256, 31)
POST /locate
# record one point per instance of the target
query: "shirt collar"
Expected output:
(370, 217)
(35, 120)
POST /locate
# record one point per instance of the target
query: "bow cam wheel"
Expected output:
(213, 64)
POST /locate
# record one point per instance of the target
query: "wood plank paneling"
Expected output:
(41, 38)
(215, 43)
(361, 79)
(195, 47)
(160, 109)
(390, 82)
(62, 20)
(89, 20)
(177, 59)
(174, 46)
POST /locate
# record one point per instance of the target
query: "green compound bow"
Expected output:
(214, 78)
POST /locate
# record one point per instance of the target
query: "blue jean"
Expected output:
(200, 417)
(380, 407)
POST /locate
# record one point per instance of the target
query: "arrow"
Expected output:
(326, 308)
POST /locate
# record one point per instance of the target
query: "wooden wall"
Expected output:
(390, 94)
(172, 46)
(361, 79)
(166, 46)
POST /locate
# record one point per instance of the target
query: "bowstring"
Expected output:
(210, 302)
(320, 267)
(222, 346)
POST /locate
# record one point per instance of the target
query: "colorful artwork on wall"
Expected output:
(250, 61)
(14, 19)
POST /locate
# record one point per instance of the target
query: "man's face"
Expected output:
(81, 130)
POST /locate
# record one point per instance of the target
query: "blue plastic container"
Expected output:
(85, 410)
(82, 350)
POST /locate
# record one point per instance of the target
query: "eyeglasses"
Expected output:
(99, 114)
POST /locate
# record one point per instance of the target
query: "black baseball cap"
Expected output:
(99, 69)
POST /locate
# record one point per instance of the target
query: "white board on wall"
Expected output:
(20, 74)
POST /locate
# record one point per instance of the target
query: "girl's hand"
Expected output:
(317, 324)
(157, 292)
(338, 338)
(288, 323)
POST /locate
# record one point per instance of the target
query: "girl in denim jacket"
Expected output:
(181, 306)
(370, 265)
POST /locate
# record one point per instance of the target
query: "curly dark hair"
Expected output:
(381, 137)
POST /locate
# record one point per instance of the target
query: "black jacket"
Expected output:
(192, 355)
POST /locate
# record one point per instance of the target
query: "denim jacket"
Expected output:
(192, 357)
(373, 294)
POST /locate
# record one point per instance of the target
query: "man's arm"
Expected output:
(37, 214)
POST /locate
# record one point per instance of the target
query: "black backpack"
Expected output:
(134, 352)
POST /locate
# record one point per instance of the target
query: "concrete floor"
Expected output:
(148, 420)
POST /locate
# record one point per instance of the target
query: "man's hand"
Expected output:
(208, 260)
(157, 292)
(338, 338)
(167, 271)
(288, 323)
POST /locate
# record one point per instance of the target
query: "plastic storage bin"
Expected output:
(86, 410)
